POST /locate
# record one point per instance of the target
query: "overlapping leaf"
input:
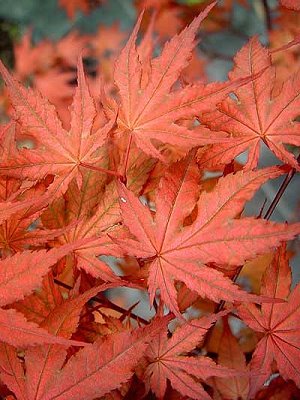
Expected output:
(63, 193)
(95, 209)
(215, 236)
(278, 323)
(258, 114)
(58, 152)
(11, 371)
(90, 231)
(230, 355)
(19, 276)
(17, 331)
(102, 366)
(149, 110)
(42, 362)
(167, 359)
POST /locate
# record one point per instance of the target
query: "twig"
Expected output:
(269, 212)
(106, 303)
(280, 192)
(268, 17)
(274, 203)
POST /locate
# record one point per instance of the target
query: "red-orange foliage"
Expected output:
(126, 179)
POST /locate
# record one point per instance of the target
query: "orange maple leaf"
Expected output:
(150, 108)
(256, 115)
(59, 152)
(278, 323)
(180, 253)
(167, 359)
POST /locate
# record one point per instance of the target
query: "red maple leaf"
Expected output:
(102, 366)
(279, 325)
(60, 153)
(150, 108)
(180, 253)
(292, 4)
(169, 359)
(257, 114)
(19, 276)
(71, 6)
(116, 199)
(43, 361)
(230, 355)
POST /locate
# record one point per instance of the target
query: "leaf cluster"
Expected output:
(118, 196)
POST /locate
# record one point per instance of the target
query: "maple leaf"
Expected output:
(30, 59)
(59, 153)
(108, 39)
(97, 210)
(50, 65)
(150, 111)
(61, 193)
(42, 362)
(10, 208)
(102, 366)
(215, 235)
(14, 194)
(19, 276)
(292, 4)
(15, 234)
(77, 207)
(231, 356)
(17, 331)
(23, 272)
(38, 305)
(279, 325)
(257, 115)
(167, 359)
(71, 6)
(11, 371)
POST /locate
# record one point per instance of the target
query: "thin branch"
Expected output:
(268, 17)
(280, 192)
(220, 306)
(106, 303)
(128, 313)
(274, 204)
